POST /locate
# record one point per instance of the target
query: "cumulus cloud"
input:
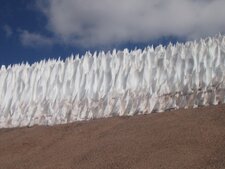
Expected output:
(97, 22)
(8, 30)
(34, 39)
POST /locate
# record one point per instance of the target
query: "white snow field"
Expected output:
(117, 83)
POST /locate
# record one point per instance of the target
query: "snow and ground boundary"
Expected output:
(116, 83)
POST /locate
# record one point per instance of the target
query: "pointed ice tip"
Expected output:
(170, 44)
(95, 54)
(159, 48)
(207, 39)
(87, 53)
(77, 57)
(114, 52)
(202, 40)
(67, 60)
(108, 53)
(3, 67)
(99, 53)
(126, 50)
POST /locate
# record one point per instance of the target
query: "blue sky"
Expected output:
(33, 30)
(20, 15)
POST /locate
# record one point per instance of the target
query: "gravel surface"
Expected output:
(181, 139)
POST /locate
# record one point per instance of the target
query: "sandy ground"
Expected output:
(183, 139)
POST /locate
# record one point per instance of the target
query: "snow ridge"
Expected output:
(116, 83)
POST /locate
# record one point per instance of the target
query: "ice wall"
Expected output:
(113, 84)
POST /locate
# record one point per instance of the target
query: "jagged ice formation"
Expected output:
(116, 83)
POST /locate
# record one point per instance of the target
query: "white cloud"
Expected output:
(103, 22)
(8, 30)
(34, 39)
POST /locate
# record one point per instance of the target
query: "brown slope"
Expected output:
(193, 138)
